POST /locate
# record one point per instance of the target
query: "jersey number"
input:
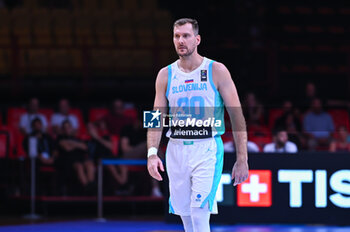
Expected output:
(193, 106)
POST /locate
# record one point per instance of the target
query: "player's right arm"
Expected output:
(154, 135)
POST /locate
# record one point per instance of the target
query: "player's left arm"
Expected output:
(227, 89)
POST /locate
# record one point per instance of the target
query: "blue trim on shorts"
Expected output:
(171, 209)
(217, 173)
(169, 81)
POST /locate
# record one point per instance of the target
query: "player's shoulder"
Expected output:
(220, 72)
(291, 146)
(219, 68)
(163, 73)
(162, 77)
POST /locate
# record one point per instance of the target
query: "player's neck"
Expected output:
(190, 63)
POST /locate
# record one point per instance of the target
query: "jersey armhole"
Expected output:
(169, 81)
(210, 71)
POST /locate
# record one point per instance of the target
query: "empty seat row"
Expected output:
(83, 27)
(321, 69)
(94, 4)
(305, 47)
(61, 61)
(308, 10)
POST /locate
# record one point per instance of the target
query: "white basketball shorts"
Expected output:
(194, 169)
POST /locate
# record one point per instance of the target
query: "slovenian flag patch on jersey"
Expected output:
(188, 81)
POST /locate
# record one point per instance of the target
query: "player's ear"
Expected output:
(198, 39)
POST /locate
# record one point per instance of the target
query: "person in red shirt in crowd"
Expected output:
(116, 119)
(341, 144)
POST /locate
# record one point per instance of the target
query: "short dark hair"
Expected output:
(34, 121)
(66, 121)
(183, 21)
(277, 130)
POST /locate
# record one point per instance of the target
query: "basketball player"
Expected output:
(195, 159)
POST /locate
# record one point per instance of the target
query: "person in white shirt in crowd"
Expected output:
(251, 146)
(32, 113)
(63, 115)
(280, 143)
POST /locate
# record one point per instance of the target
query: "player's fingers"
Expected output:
(245, 178)
(161, 166)
(150, 171)
(157, 176)
(233, 174)
(236, 180)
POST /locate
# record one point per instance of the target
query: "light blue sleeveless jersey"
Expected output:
(191, 97)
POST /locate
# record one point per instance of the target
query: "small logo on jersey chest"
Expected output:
(204, 76)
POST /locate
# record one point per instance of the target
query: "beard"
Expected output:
(280, 143)
(188, 53)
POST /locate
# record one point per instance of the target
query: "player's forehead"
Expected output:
(183, 29)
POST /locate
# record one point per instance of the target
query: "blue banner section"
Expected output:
(123, 162)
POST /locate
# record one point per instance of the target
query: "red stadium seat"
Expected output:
(259, 131)
(77, 113)
(340, 117)
(260, 135)
(131, 113)
(47, 113)
(4, 144)
(273, 115)
(97, 113)
(13, 116)
(115, 144)
(7, 143)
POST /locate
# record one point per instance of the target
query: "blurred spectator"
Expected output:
(40, 144)
(63, 115)
(44, 143)
(252, 147)
(280, 143)
(309, 95)
(133, 145)
(32, 113)
(116, 119)
(253, 110)
(318, 126)
(290, 120)
(101, 146)
(73, 154)
(341, 143)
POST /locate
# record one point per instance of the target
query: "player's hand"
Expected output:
(240, 172)
(153, 162)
